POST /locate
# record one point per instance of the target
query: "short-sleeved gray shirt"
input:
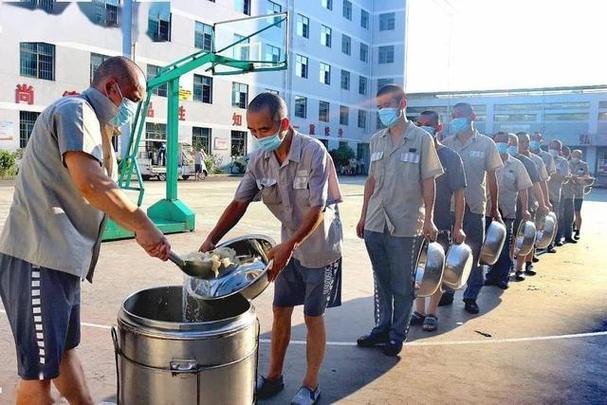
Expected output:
(555, 185)
(511, 178)
(397, 202)
(548, 161)
(541, 167)
(306, 179)
(452, 180)
(479, 155)
(578, 169)
(49, 223)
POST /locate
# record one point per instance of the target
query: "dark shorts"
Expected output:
(43, 309)
(577, 203)
(315, 289)
(197, 168)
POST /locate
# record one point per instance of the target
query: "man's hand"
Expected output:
(543, 210)
(550, 206)
(430, 231)
(495, 214)
(153, 242)
(280, 255)
(360, 228)
(207, 245)
(526, 215)
(459, 236)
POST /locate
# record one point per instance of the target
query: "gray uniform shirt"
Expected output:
(578, 169)
(548, 161)
(479, 155)
(49, 223)
(397, 201)
(541, 167)
(555, 185)
(306, 179)
(511, 178)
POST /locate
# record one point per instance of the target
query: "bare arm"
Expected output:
(545, 194)
(523, 197)
(493, 194)
(105, 195)
(428, 186)
(369, 189)
(460, 207)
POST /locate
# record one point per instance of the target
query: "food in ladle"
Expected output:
(218, 260)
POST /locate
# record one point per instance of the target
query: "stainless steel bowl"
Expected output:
(493, 244)
(546, 230)
(458, 264)
(430, 267)
(524, 240)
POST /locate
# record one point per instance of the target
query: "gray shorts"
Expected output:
(43, 309)
(315, 289)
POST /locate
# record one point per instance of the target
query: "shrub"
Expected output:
(213, 164)
(342, 155)
(8, 163)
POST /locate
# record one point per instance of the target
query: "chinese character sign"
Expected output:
(182, 113)
(312, 129)
(151, 110)
(236, 119)
(24, 93)
(327, 131)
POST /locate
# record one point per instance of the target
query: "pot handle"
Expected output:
(117, 352)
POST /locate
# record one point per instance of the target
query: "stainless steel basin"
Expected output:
(430, 267)
(494, 243)
(524, 240)
(458, 264)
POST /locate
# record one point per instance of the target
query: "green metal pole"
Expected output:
(172, 151)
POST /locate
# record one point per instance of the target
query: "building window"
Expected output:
(325, 36)
(362, 119)
(346, 44)
(238, 143)
(603, 116)
(159, 25)
(364, 19)
(201, 139)
(382, 82)
(345, 80)
(27, 119)
(37, 60)
(364, 52)
(301, 107)
(96, 61)
(203, 89)
(515, 117)
(347, 9)
(273, 91)
(240, 95)
(46, 5)
(272, 53)
(363, 84)
(567, 117)
(387, 21)
(328, 4)
(107, 12)
(241, 51)
(301, 66)
(386, 54)
(155, 131)
(325, 73)
(323, 111)
(274, 8)
(303, 26)
(344, 113)
(243, 6)
(160, 90)
(203, 36)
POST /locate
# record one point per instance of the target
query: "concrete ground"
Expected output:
(541, 341)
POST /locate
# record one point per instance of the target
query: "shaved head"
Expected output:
(512, 139)
(119, 77)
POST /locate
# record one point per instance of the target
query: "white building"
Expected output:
(575, 115)
(340, 52)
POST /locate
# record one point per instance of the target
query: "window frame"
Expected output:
(239, 103)
(301, 102)
(204, 82)
(36, 56)
(344, 111)
(303, 22)
(301, 68)
(321, 112)
(326, 73)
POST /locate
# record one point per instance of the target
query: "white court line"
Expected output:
(416, 343)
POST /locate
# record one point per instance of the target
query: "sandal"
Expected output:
(430, 323)
(416, 319)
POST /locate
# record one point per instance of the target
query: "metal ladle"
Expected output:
(198, 269)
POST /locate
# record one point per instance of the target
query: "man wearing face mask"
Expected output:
(535, 147)
(481, 160)
(568, 205)
(296, 179)
(51, 239)
(398, 208)
(581, 177)
(555, 183)
(450, 185)
(514, 183)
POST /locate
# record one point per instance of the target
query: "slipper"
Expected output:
(430, 323)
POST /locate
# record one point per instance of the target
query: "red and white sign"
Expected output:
(70, 93)
(236, 119)
(24, 93)
(151, 110)
(312, 129)
(182, 113)
(327, 131)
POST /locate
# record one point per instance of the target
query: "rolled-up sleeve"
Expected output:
(494, 161)
(247, 190)
(430, 163)
(78, 130)
(319, 178)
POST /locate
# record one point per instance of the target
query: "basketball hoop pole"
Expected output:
(170, 214)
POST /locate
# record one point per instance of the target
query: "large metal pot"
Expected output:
(161, 359)
(458, 265)
(546, 230)
(430, 267)
(493, 243)
(524, 240)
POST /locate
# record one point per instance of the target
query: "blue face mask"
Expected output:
(553, 152)
(430, 130)
(513, 150)
(126, 111)
(270, 143)
(458, 125)
(502, 147)
(534, 145)
(389, 116)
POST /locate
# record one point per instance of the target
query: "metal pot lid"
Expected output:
(249, 278)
